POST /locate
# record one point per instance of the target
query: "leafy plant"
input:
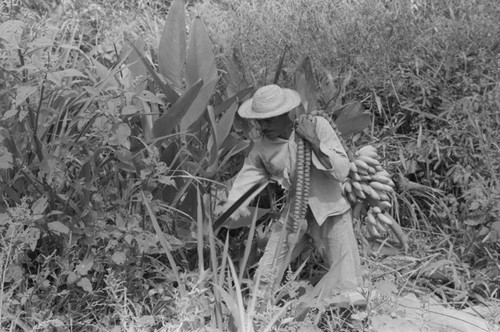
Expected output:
(110, 161)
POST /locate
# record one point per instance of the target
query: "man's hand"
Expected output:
(306, 128)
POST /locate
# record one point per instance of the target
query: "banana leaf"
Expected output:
(353, 119)
(306, 85)
(171, 118)
(172, 48)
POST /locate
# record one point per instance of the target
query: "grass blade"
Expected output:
(249, 242)
(164, 244)
(199, 232)
(239, 296)
(213, 259)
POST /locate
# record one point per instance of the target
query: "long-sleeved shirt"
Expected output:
(275, 160)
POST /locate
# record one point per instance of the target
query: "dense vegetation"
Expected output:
(117, 144)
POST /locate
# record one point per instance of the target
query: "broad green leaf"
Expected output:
(11, 193)
(58, 76)
(4, 96)
(171, 118)
(224, 124)
(5, 219)
(189, 206)
(124, 155)
(198, 106)
(72, 277)
(222, 127)
(15, 273)
(234, 141)
(200, 62)
(105, 75)
(84, 267)
(213, 143)
(119, 257)
(24, 92)
(58, 227)
(220, 131)
(279, 68)
(85, 284)
(222, 107)
(137, 67)
(122, 133)
(132, 109)
(149, 97)
(167, 180)
(336, 103)
(172, 48)
(6, 160)
(10, 113)
(11, 32)
(353, 119)
(147, 321)
(145, 241)
(476, 221)
(328, 90)
(235, 80)
(386, 287)
(171, 95)
(39, 206)
(232, 147)
(31, 236)
(305, 85)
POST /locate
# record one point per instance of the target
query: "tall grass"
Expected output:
(426, 69)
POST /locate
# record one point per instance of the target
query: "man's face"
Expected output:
(275, 127)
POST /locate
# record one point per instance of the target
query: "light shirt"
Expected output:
(275, 160)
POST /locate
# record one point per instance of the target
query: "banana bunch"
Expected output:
(368, 187)
(369, 184)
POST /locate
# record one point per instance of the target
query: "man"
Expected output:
(273, 158)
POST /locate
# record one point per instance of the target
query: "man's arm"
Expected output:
(251, 173)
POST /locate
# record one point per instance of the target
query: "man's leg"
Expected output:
(336, 242)
(274, 256)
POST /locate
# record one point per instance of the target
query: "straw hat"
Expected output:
(269, 101)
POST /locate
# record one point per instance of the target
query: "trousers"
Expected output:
(334, 240)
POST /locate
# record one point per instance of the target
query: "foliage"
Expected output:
(428, 72)
(115, 131)
(80, 142)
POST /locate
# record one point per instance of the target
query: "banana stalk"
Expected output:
(299, 196)
(299, 209)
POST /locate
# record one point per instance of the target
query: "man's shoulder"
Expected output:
(257, 146)
(320, 120)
